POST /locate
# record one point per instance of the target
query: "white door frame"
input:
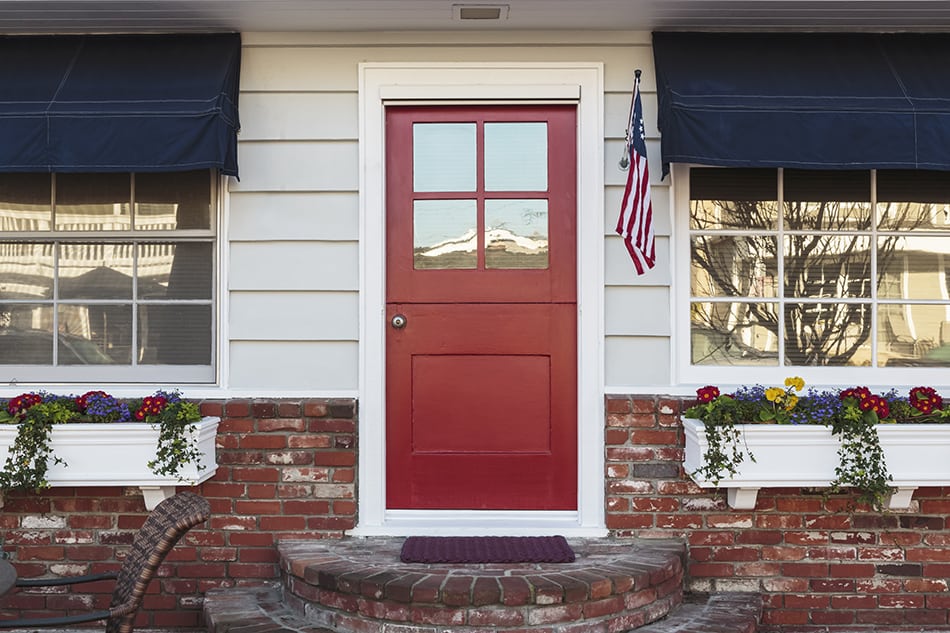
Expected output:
(469, 83)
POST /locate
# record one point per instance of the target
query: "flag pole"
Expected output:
(625, 158)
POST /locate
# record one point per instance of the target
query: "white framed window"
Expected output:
(108, 278)
(839, 276)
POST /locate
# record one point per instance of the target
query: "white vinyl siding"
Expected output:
(293, 220)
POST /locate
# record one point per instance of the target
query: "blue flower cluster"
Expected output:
(107, 409)
(815, 405)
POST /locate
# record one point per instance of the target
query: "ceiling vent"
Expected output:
(480, 11)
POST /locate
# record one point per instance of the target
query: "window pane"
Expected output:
(95, 271)
(827, 334)
(25, 202)
(174, 271)
(913, 200)
(913, 267)
(443, 157)
(516, 156)
(93, 202)
(175, 335)
(733, 198)
(734, 266)
(913, 335)
(444, 234)
(26, 334)
(26, 271)
(827, 200)
(733, 334)
(516, 233)
(95, 334)
(166, 202)
(821, 266)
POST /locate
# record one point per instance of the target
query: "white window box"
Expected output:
(788, 456)
(117, 454)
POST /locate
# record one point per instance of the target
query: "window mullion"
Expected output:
(873, 288)
(780, 265)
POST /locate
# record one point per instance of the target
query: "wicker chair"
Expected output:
(165, 525)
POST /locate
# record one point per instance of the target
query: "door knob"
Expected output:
(399, 321)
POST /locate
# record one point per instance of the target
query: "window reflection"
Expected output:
(95, 334)
(516, 156)
(913, 335)
(443, 157)
(444, 234)
(26, 270)
(25, 202)
(516, 234)
(734, 266)
(68, 299)
(95, 271)
(93, 203)
(165, 202)
(174, 334)
(733, 333)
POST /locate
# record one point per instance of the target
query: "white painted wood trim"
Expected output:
(571, 92)
(516, 81)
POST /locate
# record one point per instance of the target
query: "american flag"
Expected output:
(635, 224)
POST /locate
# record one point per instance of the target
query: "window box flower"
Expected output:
(156, 443)
(884, 446)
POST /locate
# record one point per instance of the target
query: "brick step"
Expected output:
(253, 610)
(360, 585)
(261, 610)
(727, 612)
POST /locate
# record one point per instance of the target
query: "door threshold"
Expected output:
(480, 523)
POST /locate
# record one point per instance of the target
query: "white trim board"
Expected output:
(382, 83)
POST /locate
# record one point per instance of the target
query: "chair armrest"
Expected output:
(66, 619)
(71, 580)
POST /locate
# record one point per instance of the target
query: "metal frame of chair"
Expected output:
(165, 526)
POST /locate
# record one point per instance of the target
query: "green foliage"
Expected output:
(725, 451)
(852, 414)
(177, 441)
(30, 455)
(35, 415)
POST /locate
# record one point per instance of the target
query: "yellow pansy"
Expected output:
(792, 401)
(774, 394)
(795, 382)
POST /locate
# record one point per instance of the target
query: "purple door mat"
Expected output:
(486, 549)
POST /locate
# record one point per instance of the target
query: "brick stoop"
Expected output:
(360, 586)
(720, 612)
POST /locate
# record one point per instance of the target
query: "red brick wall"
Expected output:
(816, 563)
(287, 469)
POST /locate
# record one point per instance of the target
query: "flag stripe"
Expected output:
(635, 223)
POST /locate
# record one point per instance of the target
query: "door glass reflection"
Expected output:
(516, 233)
(443, 157)
(516, 157)
(444, 234)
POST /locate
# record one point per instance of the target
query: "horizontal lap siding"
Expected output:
(293, 224)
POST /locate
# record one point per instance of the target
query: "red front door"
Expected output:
(481, 369)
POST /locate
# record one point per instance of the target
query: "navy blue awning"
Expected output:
(116, 103)
(807, 100)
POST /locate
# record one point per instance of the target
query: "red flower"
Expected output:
(861, 394)
(151, 405)
(18, 406)
(707, 394)
(877, 404)
(925, 399)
